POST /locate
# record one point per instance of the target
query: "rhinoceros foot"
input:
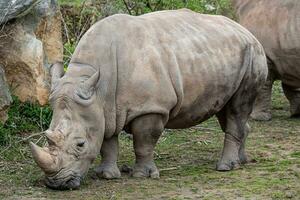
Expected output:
(144, 170)
(261, 116)
(108, 171)
(227, 165)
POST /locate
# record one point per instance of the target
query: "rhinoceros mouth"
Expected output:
(71, 183)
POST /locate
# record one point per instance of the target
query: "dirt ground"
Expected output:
(187, 160)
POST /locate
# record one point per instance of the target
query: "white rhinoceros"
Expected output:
(276, 24)
(170, 69)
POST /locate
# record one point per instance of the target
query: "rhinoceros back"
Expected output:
(180, 64)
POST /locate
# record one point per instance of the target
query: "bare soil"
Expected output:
(187, 160)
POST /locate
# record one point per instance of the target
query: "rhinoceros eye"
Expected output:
(80, 144)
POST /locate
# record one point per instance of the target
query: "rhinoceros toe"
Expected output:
(108, 171)
(227, 166)
(144, 171)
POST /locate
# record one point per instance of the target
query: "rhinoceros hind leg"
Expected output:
(233, 120)
(108, 168)
(262, 106)
(146, 131)
(242, 154)
(293, 95)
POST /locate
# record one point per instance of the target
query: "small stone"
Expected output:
(289, 194)
(125, 168)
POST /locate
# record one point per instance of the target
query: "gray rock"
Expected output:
(10, 9)
(46, 8)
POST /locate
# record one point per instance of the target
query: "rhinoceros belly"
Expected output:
(288, 68)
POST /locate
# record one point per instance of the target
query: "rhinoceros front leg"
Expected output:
(293, 95)
(108, 168)
(146, 131)
(262, 106)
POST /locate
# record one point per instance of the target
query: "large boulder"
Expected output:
(28, 45)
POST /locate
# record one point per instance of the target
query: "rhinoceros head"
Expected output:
(76, 131)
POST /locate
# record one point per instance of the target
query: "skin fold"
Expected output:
(167, 69)
(276, 24)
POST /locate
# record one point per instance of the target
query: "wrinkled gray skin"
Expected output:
(276, 24)
(168, 69)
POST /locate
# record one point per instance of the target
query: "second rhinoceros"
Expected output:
(170, 69)
(276, 24)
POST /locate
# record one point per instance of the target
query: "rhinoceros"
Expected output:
(167, 69)
(276, 24)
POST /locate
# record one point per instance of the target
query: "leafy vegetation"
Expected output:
(24, 118)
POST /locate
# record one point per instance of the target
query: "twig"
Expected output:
(39, 139)
(31, 136)
(157, 4)
(205, 129)
(9, 146)
(83, 29)
(127, 7)
(66, 29)
(169, 169)
(41, 119)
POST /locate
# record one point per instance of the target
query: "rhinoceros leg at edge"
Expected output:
(262, 106)
(108, 168)
(146, 130)
(293, 95)
(233, 120)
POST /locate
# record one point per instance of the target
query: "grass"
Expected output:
(187, 161)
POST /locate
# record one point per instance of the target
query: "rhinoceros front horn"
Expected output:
(43, 159)
(56, 71)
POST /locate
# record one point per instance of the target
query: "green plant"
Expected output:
(138, 7)
(24, 118)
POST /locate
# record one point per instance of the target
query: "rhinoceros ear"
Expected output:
(91, 83)
(87, 88)
(56, 71)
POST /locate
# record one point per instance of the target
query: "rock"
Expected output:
(11, 9)
(28, 46)
(5, 98)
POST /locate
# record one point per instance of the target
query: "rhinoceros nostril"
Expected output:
(73, 183)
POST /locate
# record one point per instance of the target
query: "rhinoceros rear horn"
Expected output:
(54, 138)
(56, 71)
(44, 159)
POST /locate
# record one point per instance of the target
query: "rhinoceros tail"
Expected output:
(247, 62)
(248, 57)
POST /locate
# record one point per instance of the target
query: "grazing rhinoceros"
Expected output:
(276, 24)
(170, 69)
